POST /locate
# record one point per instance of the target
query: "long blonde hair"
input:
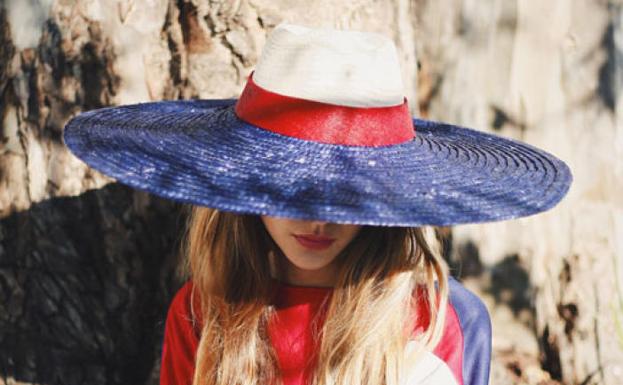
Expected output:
(367, 320)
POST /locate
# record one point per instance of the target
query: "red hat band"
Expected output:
(323, 122)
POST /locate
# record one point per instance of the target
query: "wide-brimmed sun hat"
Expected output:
(321, 131)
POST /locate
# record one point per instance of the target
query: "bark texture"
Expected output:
(87, 266)
(551, 74)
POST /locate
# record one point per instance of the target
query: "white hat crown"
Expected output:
(346, 68)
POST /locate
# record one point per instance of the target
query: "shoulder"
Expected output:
(181, 308)
(181, 299)
(181, 339)
(469, 308)
(466, 344)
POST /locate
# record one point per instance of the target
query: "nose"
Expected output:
(319, 227)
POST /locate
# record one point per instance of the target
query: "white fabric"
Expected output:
(425, 368)
(348, 68)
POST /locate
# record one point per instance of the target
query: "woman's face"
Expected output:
(310, 247)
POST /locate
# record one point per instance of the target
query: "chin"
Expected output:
(310, 261)
(310, 266)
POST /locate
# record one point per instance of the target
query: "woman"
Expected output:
(311, 194)
(281, 278)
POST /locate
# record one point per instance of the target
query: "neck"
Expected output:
(325, 277)
(284, 271)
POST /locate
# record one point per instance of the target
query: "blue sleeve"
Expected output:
(476, 327)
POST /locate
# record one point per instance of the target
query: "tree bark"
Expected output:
(87, 266)
(550, 74)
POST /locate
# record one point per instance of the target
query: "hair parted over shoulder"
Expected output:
(232, 259)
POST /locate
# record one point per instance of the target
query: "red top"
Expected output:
(290, 333)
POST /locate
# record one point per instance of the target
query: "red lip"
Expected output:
(315, 242)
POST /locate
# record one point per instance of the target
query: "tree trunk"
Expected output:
(87, 267)
(551, 74)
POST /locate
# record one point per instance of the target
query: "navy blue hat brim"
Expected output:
(200, 152)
